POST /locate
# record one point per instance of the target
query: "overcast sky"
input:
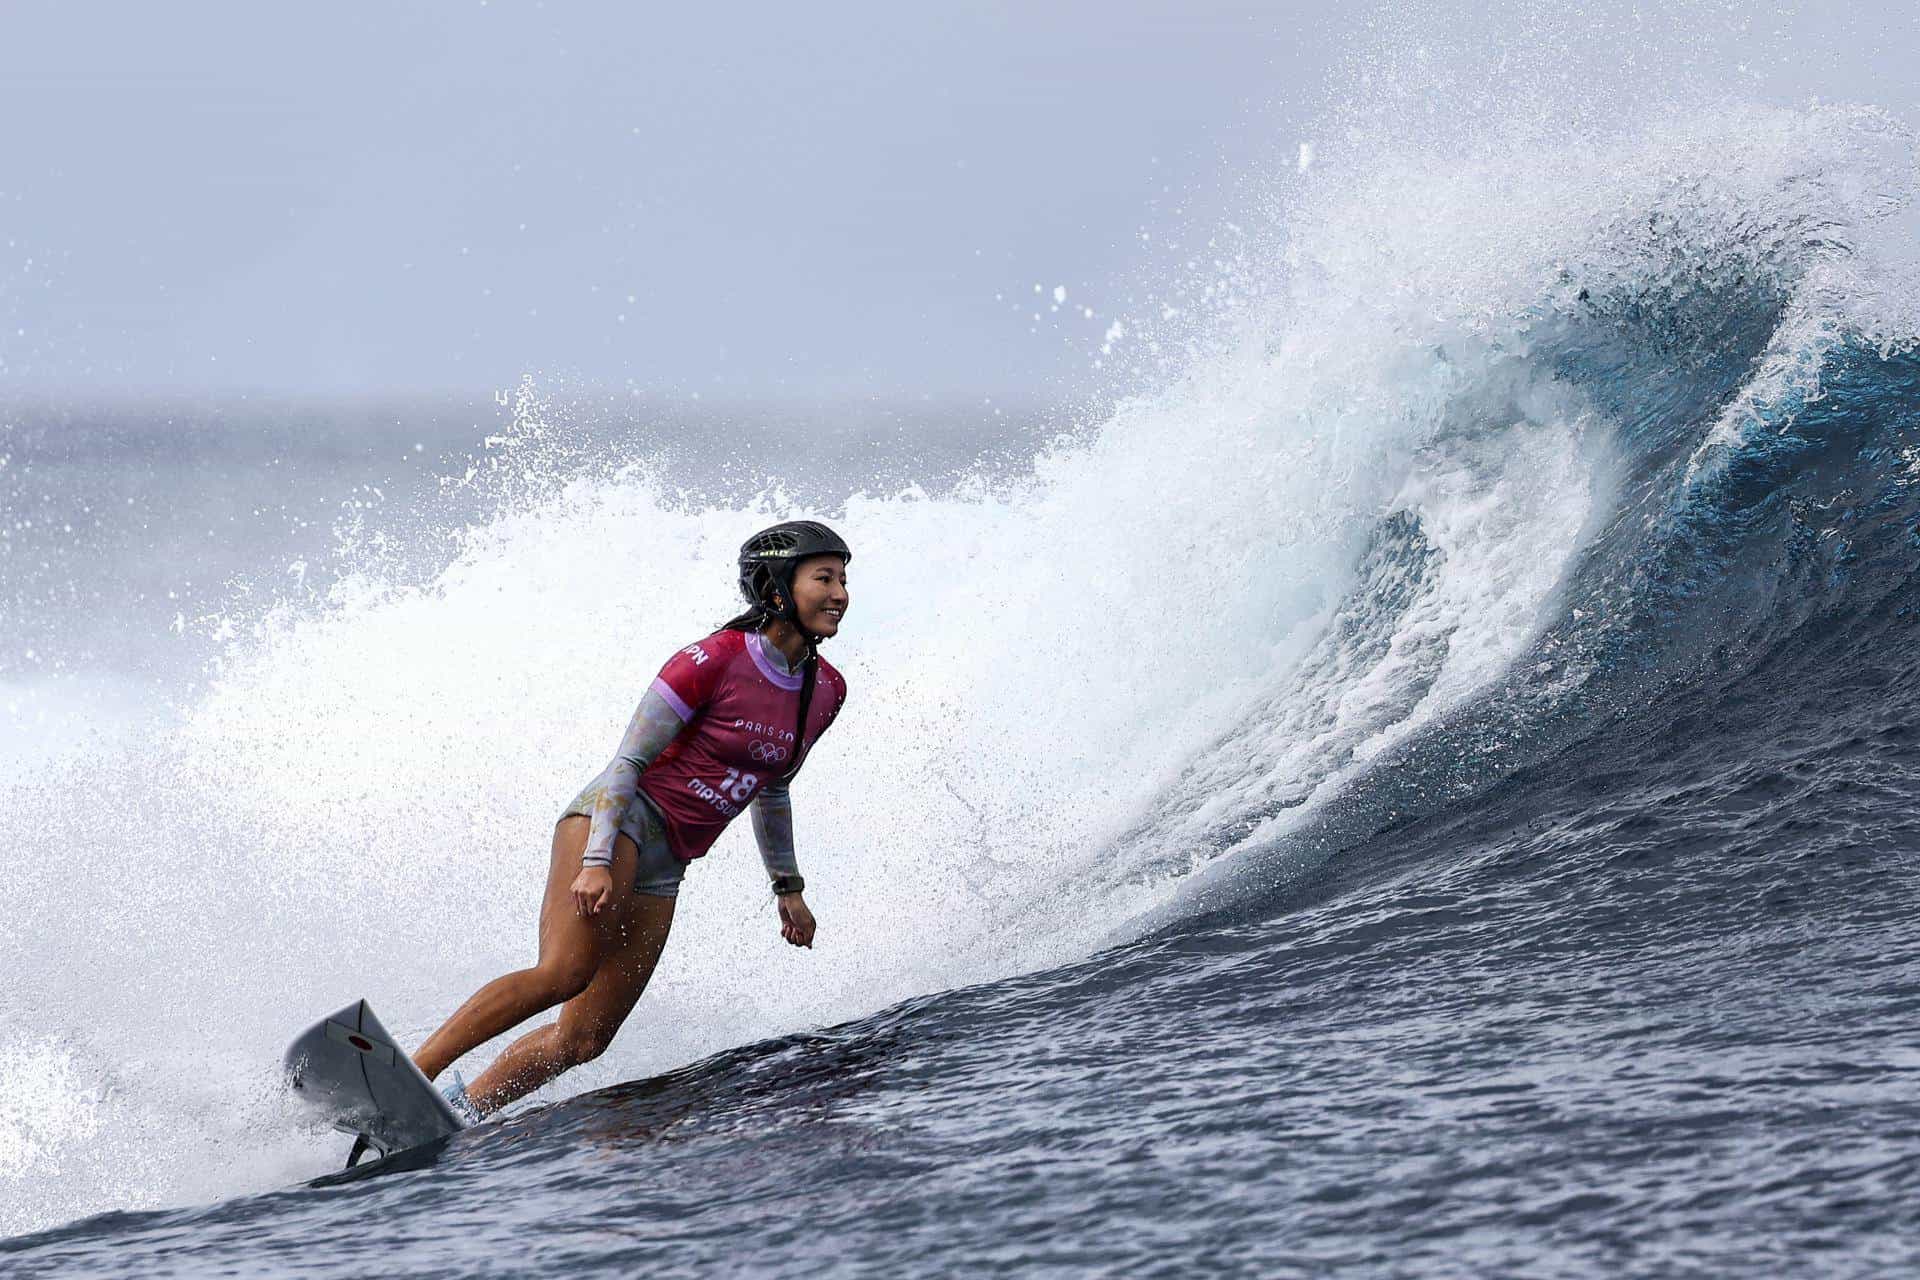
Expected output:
(753, 199)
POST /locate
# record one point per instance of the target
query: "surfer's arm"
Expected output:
(773, 830)
(655, 723)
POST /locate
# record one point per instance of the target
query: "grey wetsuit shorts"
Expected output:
(660, 872)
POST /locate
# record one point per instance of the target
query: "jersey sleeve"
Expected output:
(688, 681)
(654, 725)
(838, 683)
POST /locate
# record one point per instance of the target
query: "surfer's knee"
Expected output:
(583, 1044)
(562, 980)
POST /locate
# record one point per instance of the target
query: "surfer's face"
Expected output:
(820, 593)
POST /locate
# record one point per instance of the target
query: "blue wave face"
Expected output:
(1761, 453)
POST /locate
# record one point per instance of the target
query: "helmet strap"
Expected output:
(809, 666)
(786, 609)
(800, 722)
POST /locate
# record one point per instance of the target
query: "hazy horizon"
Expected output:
(841, 205)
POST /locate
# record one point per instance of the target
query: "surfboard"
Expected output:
(348, 1069)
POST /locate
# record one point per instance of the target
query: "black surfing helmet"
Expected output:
(769, 557)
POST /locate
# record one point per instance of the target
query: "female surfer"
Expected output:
(723, 728)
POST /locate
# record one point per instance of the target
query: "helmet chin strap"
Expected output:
(791, 616)
(789, 613)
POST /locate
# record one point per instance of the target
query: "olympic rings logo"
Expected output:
(768, 752)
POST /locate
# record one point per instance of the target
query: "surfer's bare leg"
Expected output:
(589, 1021)
(570, 950)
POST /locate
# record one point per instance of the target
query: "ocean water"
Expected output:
(1426, 786)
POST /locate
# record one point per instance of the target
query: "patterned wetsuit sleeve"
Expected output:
(773, 830)
(686, 684)
(654, 725)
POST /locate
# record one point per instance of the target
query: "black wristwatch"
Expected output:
(784, 885)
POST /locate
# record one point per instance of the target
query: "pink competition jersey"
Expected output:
(740, 710)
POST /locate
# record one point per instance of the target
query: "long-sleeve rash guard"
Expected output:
(709, 735)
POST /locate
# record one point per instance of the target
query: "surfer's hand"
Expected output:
(591, 889)
(796, 922)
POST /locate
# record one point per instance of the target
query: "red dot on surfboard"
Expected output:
(361, 1043)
